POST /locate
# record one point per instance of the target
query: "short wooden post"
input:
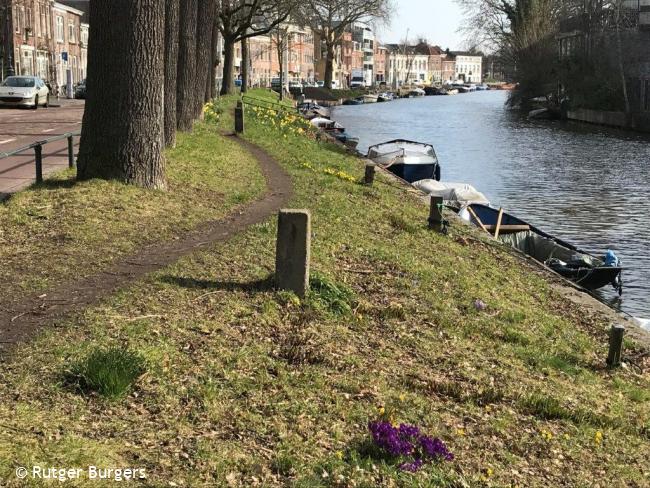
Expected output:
(38, 152)
(615, 346)
(239, 117)
(369, 177)
(436, 221)
(293, 251)
(70, 152)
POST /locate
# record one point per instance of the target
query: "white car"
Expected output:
(24, 91)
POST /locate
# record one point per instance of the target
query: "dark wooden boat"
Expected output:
(585, 269)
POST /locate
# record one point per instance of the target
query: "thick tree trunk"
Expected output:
(122, 132)
(171, 69)
(245, 65)
(205, 22)
(186, 82)
(228, 84)
(329, 66)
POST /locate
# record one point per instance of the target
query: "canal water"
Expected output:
(586, 184)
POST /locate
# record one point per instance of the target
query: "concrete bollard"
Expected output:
(615, 346)
(436, 221)
(293, 251)
(369, 177)
(239, 118)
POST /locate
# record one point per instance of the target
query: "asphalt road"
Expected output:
(21, 127)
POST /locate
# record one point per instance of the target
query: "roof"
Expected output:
(81, 5)
(467, 53)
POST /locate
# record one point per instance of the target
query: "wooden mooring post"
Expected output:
(369, 177)
(436, 220)
(292, 253)
(615, 346)
(239, 117)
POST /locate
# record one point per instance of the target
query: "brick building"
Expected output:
(44, 38)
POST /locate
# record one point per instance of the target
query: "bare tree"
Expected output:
(281, 38)
(206, 13)
(242, 19)
(331, 18)
(122, 132)
(186, 81)
(171, 68)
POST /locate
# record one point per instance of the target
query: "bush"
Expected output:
(107, 372)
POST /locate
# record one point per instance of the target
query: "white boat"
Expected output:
(452, 91)
(411, 161)
(385, 97)
(417, 92)
(370, 98)
(326, 124)
(455, 194)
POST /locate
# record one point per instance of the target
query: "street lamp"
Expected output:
(7, 45)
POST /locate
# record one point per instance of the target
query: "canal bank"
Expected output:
(583, 183)
(249, 386)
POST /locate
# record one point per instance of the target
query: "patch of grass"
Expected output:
(110, 373)
(325, 293)
(64, 228)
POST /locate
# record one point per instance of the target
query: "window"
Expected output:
(71, 32)
(60, 34)
(84, 36)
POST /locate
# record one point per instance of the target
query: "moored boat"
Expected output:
(455, 195)
(385, 97)
(417, 92)
(452, 91)
(370, 98)
(584, 269)
(353, 101)
(411, 161)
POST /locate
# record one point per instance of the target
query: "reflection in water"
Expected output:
(586, 184)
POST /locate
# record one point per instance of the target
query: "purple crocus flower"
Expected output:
(406, 430)
(388, 438)
(435, 448)
(411, 467)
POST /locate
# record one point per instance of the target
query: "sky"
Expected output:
(437, 20)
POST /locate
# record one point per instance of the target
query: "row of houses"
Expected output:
(49, 39)
(45, 38)
(360, 60)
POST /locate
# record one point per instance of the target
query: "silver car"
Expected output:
(24, 91)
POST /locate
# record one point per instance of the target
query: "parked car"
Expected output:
(80, 90)
(24, 91)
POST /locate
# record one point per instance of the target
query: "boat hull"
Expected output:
(581, 267)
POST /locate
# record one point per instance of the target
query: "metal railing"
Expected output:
(38, 151)
(267, 104)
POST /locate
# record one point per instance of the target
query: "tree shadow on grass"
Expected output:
(261, 285)
(55, 184)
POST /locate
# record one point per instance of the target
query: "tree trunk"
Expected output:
(123, 125)
(228, 83)
(245, 65)
(171, 69)
(621, 67)
(329, 65)
(281, 65)
(186, 82)
(216, 60)
(205, 23)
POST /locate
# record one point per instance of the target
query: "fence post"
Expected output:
(292, 254)
(436, 221)
(70, 151)
(239, 117)
(369, 177)
(38, 151)
(615, 346)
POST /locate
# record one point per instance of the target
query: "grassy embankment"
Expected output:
(63, 229)
(245, 386)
